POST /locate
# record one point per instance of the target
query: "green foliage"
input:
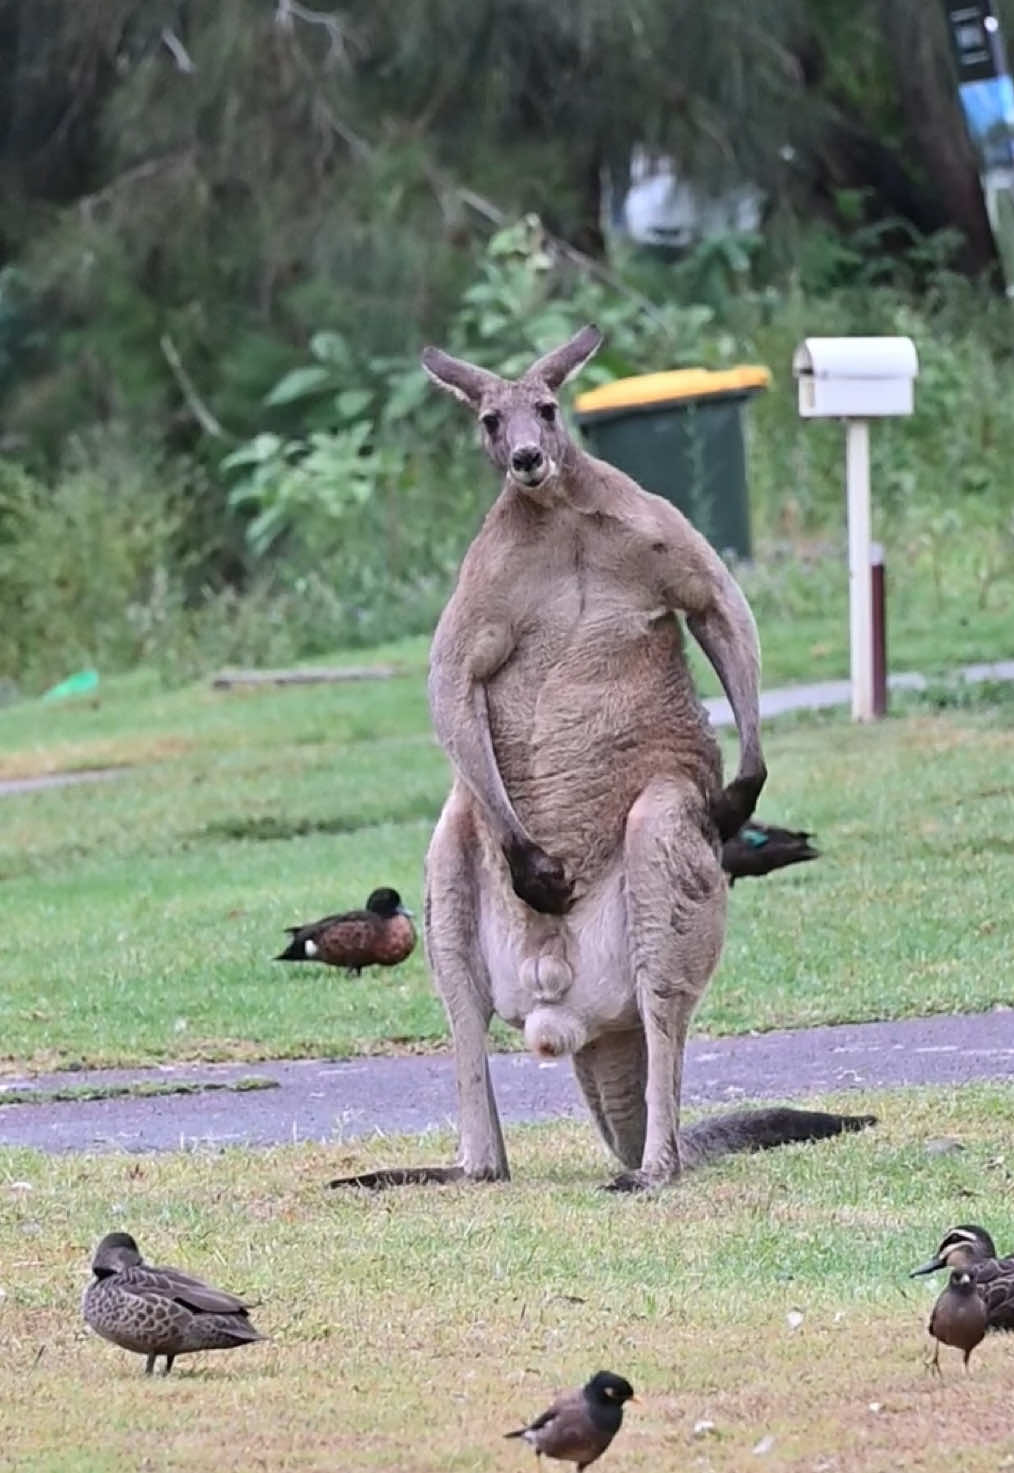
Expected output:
(81, 561)
(379, 484)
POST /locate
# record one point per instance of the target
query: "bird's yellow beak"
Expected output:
(636, 1400)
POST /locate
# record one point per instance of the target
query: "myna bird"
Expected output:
(970, 1247)
(382, 935)
(757, 849)
(579, 1427)
(159, 1311)
(958, 1317)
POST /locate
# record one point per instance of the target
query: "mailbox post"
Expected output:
(857, 379)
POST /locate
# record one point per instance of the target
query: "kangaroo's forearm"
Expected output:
(728, 638)
(461, 719)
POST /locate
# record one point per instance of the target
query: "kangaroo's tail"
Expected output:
(759, 1130)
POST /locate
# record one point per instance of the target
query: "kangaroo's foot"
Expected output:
(640, 1181)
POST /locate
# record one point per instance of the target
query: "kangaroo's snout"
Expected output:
(526, 459)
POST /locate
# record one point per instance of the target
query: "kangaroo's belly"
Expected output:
(579, 731)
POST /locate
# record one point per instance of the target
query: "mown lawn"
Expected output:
(411, 1329)
(141, 913)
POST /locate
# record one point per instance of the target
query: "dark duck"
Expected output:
(759, 848)
(382, 935)
(958, 1318)
(159, 1311)
(579, 1427)
(971, 1248)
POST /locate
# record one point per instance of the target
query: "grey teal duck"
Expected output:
(159, 1311)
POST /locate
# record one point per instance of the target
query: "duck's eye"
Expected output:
(547, 411)
(490, 422)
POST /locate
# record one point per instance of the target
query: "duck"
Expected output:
(159, 1311)
(759, 848)
(970, 1247)
(382, 935)
(579, 1426)
(958, 1317)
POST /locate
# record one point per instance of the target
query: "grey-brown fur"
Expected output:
(573, 882)
(159, 1311)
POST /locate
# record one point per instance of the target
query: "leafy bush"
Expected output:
(379, 485)
(362, 486)
(80, 560)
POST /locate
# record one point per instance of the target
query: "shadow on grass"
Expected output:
(266, 828)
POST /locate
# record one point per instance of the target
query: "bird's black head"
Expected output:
(959, 1247)
(386, 903)
(975, 1236)
(115, 1252)
(607, 1389)
(962, 1281)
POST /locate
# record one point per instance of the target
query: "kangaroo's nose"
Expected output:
(526, 458)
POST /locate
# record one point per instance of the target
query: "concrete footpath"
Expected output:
(335, 1100)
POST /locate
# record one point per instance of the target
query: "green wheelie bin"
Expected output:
(680, 434)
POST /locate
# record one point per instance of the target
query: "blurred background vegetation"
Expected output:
(226, 230)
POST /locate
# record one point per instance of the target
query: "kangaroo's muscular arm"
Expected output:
(460, 666)
(719, 618)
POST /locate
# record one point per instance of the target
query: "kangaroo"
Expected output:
(573, 882)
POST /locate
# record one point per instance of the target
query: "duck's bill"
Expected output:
(928, 1268)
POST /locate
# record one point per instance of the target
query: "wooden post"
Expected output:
(857, 483)
(878, 591)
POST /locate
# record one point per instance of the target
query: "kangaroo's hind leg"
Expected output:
(675, 900)
(451, 936)
(612, 1072)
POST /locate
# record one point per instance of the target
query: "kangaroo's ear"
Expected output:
(464, 380)
(557, 366)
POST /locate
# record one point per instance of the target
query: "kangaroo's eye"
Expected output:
(490, 422)
(547, 411)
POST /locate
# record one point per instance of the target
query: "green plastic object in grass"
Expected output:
(81, 683)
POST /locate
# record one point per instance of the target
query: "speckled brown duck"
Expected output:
(159, 1311)
(970, 1247)
(579, 1427)
(759, 848)
(382, 935)
(958, 1317)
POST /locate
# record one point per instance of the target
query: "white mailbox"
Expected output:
(855, 378)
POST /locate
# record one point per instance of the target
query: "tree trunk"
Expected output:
(916, 39)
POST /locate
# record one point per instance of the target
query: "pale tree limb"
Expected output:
(147, 169)
(203, 415)
(287, 9)
(605, 274)
(180, 55)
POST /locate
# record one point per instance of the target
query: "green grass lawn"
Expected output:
(141, 913)
(410, 1330)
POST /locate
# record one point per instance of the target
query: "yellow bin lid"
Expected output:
(683, 383)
